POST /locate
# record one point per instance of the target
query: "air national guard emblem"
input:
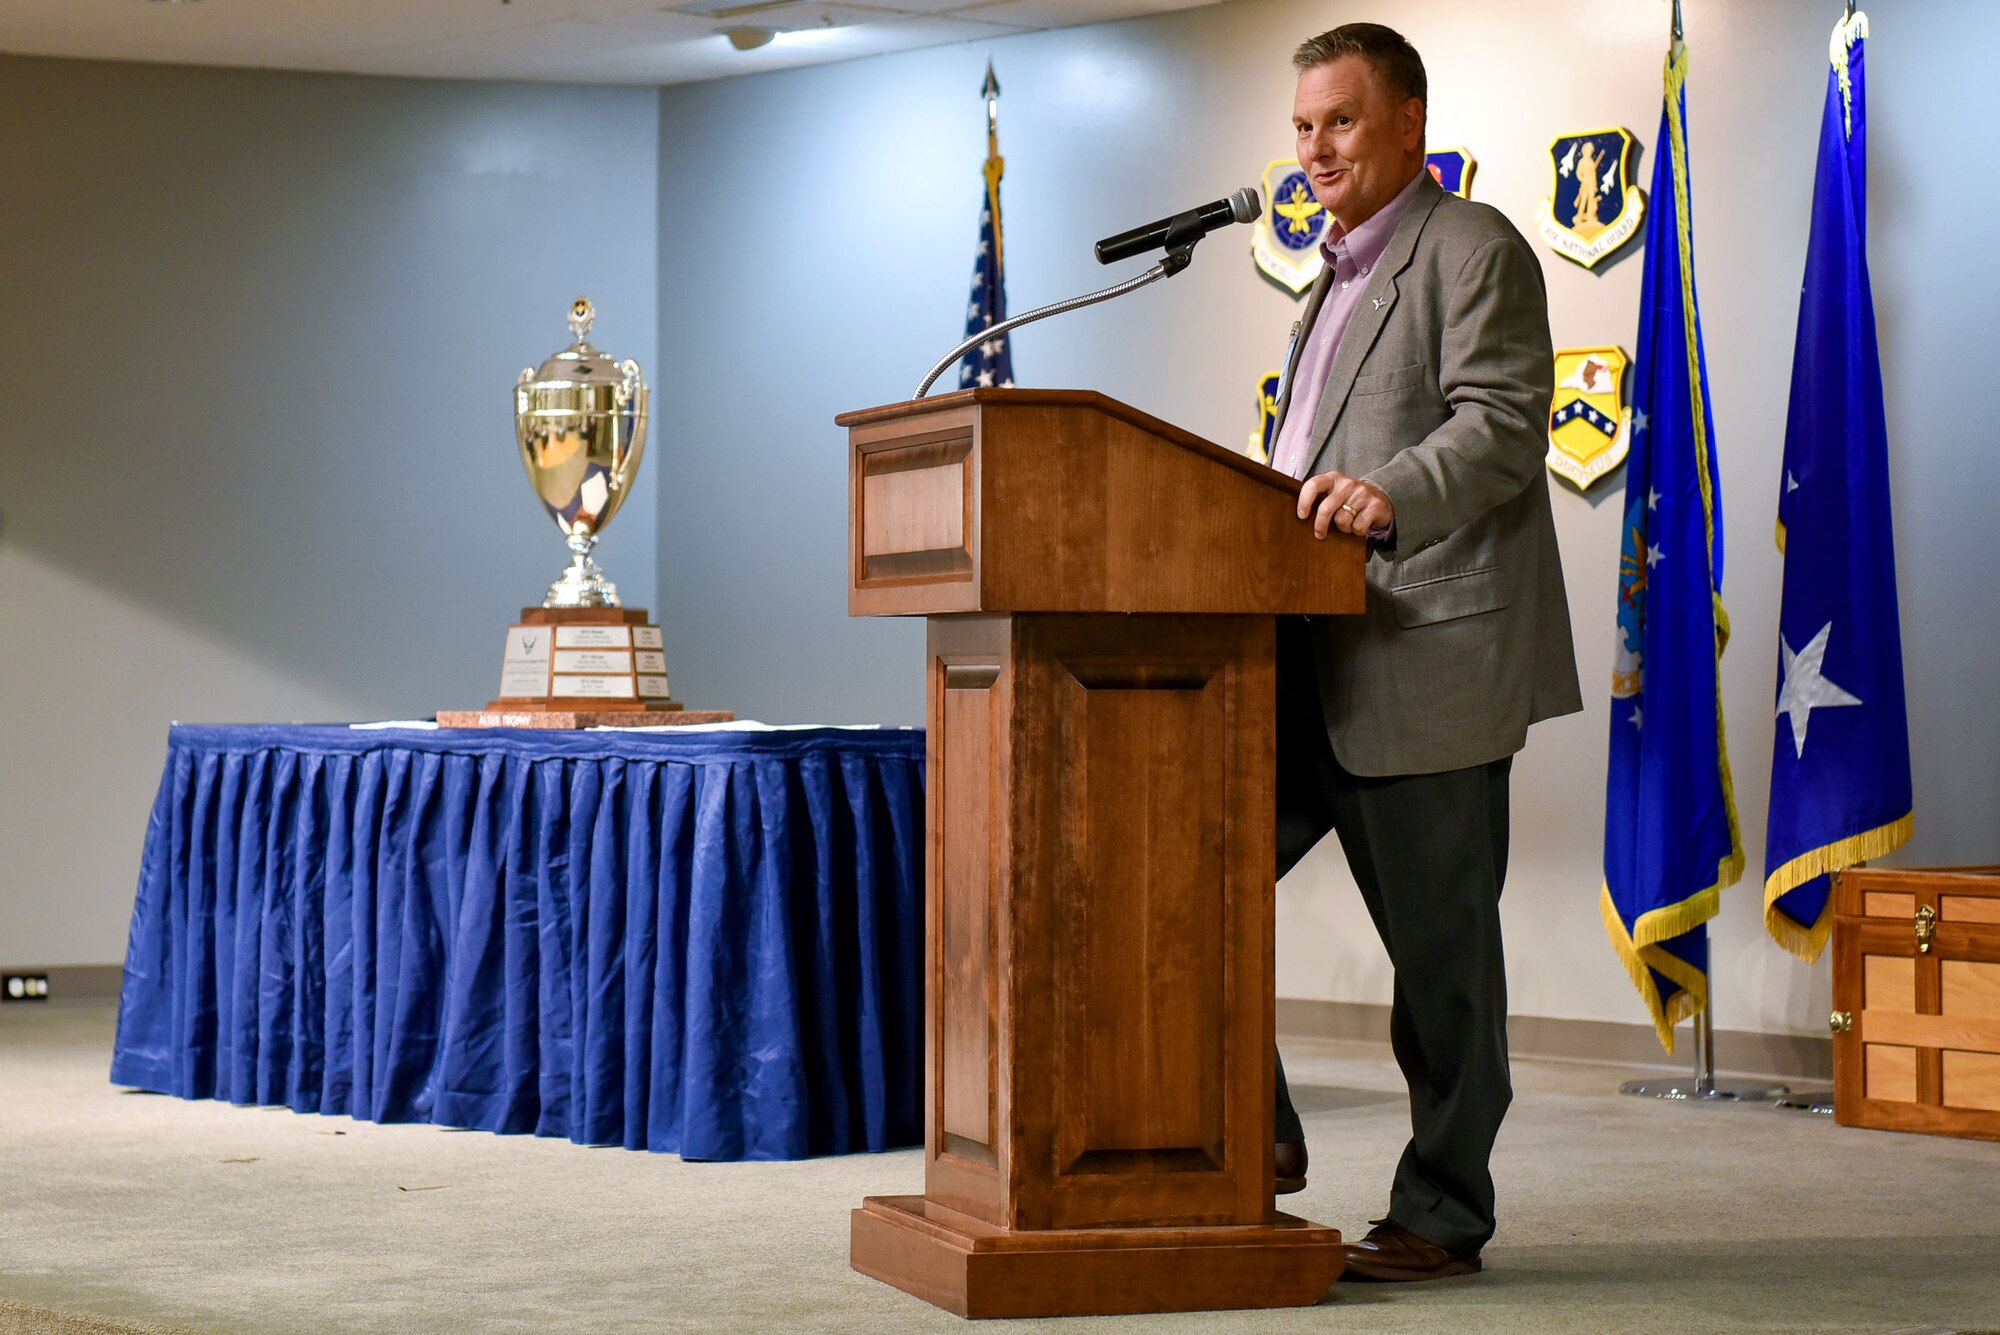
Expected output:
(1590, 428)
(1452, 168)
(1261, 440)
(1286, 239)
(1595, 208)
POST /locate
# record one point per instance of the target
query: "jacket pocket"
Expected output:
(1448, 597)
(1385, 382)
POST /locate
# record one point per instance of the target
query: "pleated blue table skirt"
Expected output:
(706, 944)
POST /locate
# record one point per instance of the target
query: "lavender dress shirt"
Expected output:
(1352, 256)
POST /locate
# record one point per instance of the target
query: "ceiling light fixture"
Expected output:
(749, 38)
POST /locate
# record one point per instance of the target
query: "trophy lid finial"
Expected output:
(581, 316)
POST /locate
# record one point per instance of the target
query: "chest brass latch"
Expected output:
(1926, 925)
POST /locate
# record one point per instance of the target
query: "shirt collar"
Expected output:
(1366, 243)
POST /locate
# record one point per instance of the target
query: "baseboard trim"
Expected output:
(1601, 1042)
(94, 983)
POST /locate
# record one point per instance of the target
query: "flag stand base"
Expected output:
(1816, 1101)
(1705, 1091)
(1704, 1087)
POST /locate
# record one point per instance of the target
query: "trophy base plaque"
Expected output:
(582, 667)
(580, 718)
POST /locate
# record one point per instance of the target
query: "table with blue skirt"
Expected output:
(706, 943)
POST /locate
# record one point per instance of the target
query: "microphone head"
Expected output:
(1244, 206)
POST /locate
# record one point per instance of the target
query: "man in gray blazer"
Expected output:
(1415, 408)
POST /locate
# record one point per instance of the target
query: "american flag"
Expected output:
(992, 361)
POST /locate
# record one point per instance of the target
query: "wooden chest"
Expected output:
(1916, 1000)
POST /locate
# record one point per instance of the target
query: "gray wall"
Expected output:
(269, 321)
(816, 231)
(260, 334)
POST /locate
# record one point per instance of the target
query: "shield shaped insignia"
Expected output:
(1594, 208)
(1452, 168)
(1590, 426)
(1285, 241)
(1261, 440)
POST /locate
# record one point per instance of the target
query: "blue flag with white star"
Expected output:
(992, 362)
(1840, 764)
(1670, 835)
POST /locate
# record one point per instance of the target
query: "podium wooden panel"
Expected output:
(1100, 589)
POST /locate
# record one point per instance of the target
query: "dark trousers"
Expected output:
(1429, 852)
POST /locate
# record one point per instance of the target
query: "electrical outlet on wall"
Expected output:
(24, 987)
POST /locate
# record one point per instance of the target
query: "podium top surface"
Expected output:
(1065, 500)
(1075, 398)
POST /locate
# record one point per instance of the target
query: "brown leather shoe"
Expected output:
(1290, 1160)
(1392, 1252)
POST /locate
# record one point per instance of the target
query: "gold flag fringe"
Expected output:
(1661, 924)
(1807, 940)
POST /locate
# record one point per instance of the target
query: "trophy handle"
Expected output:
(631, 400)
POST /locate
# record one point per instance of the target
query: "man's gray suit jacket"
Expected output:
(1439, 395)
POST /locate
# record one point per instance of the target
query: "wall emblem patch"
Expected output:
(1452, 169)
(1264, 438)
(1590, 426)
(1285, 241)
(1594, 207)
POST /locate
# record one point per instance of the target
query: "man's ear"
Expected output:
(1414, 115)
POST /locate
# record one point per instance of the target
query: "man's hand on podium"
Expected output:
(1347, 504)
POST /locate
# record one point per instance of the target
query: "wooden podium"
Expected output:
(1100, 588)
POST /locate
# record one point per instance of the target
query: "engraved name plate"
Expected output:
(524, 671)
(597, 662)
(653, 687)
(646, 637)
(593, 637)
(596, 688)
(650, 660)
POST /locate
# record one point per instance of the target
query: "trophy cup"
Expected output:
(581, 658)
(581, 422)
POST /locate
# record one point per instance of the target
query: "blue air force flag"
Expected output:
(992, 362)
(1670, 835)
(1840, 766)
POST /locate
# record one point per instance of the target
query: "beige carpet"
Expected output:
(126, 1212)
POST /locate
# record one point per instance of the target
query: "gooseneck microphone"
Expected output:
(1241, 206)
(1177, 235)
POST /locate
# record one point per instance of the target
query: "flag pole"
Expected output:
(996, 166)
